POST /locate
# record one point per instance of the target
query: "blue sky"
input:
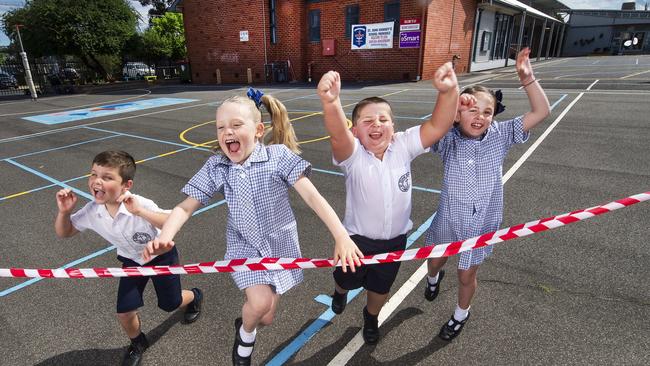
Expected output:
(6, 5)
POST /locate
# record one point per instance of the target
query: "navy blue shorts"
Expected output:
(374, 277)
(168, 287)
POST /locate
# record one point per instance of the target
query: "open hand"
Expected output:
(131, 203)
(465, 102)
(524, 68)
(348, 253)
(329, 87)
(445, 79)
(66, 200)
(156, 247)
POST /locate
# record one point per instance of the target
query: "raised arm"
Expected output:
(444, 113)
(341, 139)
(344, 248)
(65, 200)
(539, 107)
(164, 243)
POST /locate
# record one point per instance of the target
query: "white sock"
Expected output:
(432, 281)
(460, 314)
(248, 338)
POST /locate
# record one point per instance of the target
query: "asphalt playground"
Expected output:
(577, 295)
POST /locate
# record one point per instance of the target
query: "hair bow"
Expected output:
(255, 95)
(499, 97)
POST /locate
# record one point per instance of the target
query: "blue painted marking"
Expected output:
(62, 147)
(105, 110)
(297, 343)
(558, 101)
(417, 188)
(50, 179)
(71, 264)
(146, 138)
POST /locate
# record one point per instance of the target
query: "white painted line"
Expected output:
(530, 150)
(635, 74)
(355, 344)
(595, 62)
(637, 61)
(592, 84)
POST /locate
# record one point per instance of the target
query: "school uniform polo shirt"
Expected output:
(127, 232)
(378, 192)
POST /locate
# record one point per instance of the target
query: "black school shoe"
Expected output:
(431, 295)
(370, 327)
(238, 360)
(133, 354)
(193, 309)
(338, 302)
(452, 328)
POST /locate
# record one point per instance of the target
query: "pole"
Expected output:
(28, 72)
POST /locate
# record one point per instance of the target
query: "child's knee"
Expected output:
(268, 318)
(467, 278)
(170, 305)
(126, 317)
(261, 304)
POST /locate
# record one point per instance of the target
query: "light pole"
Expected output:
(28, 72)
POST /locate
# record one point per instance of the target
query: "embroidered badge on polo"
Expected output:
(141, 238)
(404, 183)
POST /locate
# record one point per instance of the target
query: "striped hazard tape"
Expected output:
(261, 264)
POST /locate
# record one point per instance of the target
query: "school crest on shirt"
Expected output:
(141, 238)
(404, 182)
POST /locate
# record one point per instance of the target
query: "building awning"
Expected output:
(523, 7)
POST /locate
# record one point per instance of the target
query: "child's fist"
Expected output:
(329, 86)
(66, 200)
(445, 79)
(156, 247)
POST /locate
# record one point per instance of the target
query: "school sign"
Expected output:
(372, 36)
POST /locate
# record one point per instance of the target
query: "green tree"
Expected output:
(159, 7)
(165, 38)
(88, 29)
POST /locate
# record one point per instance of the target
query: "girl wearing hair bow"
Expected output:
(471, 202)
(255, 178)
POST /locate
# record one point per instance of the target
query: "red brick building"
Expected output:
(232, 41)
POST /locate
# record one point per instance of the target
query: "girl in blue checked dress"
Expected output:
(255, 179)
(471, 202)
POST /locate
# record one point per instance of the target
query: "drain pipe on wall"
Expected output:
(266, 61)
(423, 37)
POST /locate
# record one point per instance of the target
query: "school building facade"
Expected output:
(257, 41)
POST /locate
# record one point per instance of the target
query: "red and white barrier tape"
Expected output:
(261, 264)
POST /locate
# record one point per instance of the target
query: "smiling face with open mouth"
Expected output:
(374, 128)
(237, 131)
(106, 185)
(477, 119)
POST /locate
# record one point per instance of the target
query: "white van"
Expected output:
(137, 70)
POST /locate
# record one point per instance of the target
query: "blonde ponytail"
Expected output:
(281, 130)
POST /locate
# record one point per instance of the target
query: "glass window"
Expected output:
(314, 25)
(351, 17)
(391, 13)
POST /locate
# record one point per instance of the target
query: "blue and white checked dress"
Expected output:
(471, 202)
(260, 220)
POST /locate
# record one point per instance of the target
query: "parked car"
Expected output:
(7, 81)
(137, 70)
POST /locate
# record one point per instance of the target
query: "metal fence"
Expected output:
(62, 77)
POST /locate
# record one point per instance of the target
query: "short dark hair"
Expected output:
(365, 102)
(472, 90)
(121, 160)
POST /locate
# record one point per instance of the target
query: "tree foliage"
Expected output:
(165, 38)
(159, 7)
(87, 29)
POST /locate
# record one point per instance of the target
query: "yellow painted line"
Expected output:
(15, 195)
(309, 114)
(638, 73)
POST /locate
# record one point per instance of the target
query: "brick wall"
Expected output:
(212, 34)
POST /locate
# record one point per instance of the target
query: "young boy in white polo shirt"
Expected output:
(127, 221)
(376, 162)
